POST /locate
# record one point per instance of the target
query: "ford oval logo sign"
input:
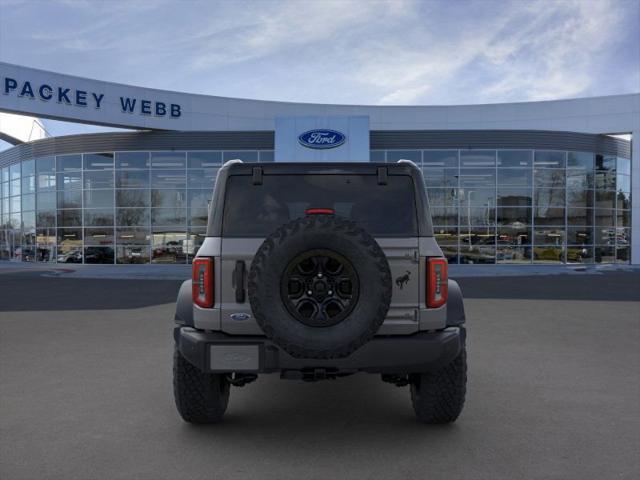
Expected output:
(322, 138)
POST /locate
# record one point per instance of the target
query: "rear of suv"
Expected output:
(316, 271)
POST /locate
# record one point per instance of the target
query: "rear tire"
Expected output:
(200, 397)
(438, 397)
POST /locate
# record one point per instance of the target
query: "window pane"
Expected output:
(444, 215)
(198, 216)
(132, 198)
(623, 183)
(548, 254)
(440, 159)
(29, 221)
(202, 178)
(579, 178)
(28, 168)
(132, 217)
(168, 246)
(480, 197)
(477, 177)
(548, 197)
(98, 179)
(516, 197)
(605, 199)
(549, 159)
(45, 165)
(605, 254)
(70, 199)
(605, 235)
(69, 180)
(244, 156)
(549, 178)
(29, 202)
(480, 249)
(199, 198)
(623, 254)
(549, 236)
(580, 236)
(477, 158)
(605, 217)
(548, 216)
(168, 198)
(623, 166)
(46, 219)
(582, 254)
(46, 181)
(394, 155)
(168, 160)
(69, 162)
(28, 184)
(477, 216)
(442, 196)
(446, 235)
(514, 176)
(579, 198)
(583, 160)
(132, 178)
(132, 254)
(515, 158)
(267, 156)
(98, 236)
(168, 179)
(14, 187)
(133, 236)
(512, 254)
(98, 199)
(374, 156)
(440, 177)
(624, 218)
(70, 253)
(70, 218)
(204, 159)
(579, 216)
(98, 217)
(98, 254)
(46, 200)
(132, 160)
(98, 161)
(514, 234)
(14, 204)
(605, 163)
(169, 216)
(514, 216)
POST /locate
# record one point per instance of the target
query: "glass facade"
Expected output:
(110, 207)
(526, 206)
(488, 206)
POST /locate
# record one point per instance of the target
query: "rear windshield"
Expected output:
(257, 210)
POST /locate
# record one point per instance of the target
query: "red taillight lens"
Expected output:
(319, 211)
(202, 282)
(437, 282)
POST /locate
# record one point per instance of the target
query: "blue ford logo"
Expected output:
(240, 317)
(322, 138)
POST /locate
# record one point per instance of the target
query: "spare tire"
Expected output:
(320, 287)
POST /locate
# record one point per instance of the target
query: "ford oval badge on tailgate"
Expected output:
(240, 317)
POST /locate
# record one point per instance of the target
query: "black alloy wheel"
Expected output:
(320, 288)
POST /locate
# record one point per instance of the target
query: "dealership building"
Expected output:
(516, 183)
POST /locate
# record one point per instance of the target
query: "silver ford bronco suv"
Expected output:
(318, 271)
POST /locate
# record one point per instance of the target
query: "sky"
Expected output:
(395, 52)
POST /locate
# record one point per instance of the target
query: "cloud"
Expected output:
(338, 51)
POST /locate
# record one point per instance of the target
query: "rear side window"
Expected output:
(257, 210)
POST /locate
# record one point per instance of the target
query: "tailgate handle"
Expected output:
(238, 281)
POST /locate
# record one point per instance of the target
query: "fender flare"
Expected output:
(184, 305)
(455, 305)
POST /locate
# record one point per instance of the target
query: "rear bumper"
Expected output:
(398, 354)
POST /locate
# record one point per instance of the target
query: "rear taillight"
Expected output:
(202, 282)
(437, 282)
(319, 211)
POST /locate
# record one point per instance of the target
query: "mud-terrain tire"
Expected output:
(200, 397)
(438, 397)
(362, 257)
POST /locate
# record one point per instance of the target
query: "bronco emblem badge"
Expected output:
(403, 280)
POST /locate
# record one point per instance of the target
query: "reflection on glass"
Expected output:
(434, 159)
(134, 160)
(97, 161)
(549, 159)
(514, 158)
(168, 246)
(68, 162)
(511, 254)
(132, 179)
(548, 254)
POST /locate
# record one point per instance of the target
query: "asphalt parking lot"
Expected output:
(554, 392)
